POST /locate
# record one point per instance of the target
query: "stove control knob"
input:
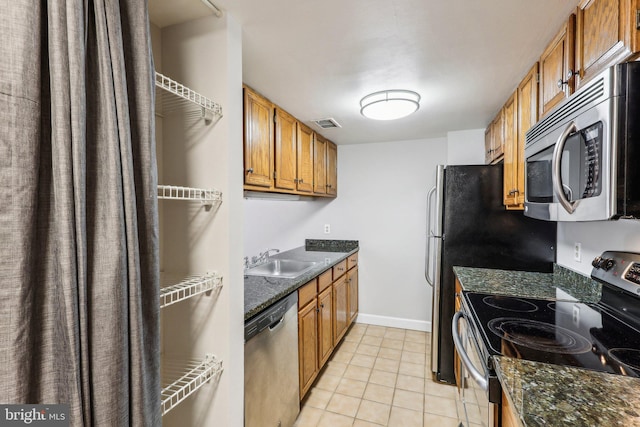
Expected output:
(608, 264)
(596, 262)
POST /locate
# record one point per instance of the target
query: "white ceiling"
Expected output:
(317, 59)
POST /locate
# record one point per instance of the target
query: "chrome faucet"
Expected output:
(260, 259)
(265, 255)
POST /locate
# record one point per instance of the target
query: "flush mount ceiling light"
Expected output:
(389, 104)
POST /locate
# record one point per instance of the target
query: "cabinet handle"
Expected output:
(561, 82)
(514, 191)
(250, 170)
(296, 180)
(301, 181)
(317, 310)
(321, 305)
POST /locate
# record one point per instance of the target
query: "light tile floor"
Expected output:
(380, 377)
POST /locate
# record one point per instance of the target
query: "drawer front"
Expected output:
(352, 261)
(307, 293)
(324, 280)
(339, 269)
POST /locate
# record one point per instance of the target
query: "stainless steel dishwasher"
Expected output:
(271, 391)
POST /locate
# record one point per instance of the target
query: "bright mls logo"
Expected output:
(34, 415)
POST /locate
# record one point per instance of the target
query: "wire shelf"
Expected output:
(181, 379)
(178, 97)
(205, 196)
(189, 287)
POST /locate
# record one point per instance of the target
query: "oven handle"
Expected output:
(557, 168)
(466, 361)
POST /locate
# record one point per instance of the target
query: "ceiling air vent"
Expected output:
(327, 123)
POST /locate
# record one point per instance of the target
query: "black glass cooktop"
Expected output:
(557, 332)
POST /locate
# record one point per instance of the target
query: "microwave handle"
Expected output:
(464, 357)
(557, 168)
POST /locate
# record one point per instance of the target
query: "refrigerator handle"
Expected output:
(427, 255)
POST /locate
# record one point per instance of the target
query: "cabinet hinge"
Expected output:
(274, 174)
(537, 77)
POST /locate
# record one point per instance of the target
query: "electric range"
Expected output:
(604, 336)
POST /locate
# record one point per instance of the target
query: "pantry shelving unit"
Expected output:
(176, 97)
(182, 378)
(208, 196)
(189, 287)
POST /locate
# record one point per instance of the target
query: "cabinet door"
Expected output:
(325, 326)
(497, 138)
(510, 114)
(488, 149)
(304, 182)
(319, 165)
(352, 279)
(286, 146)
(605, 35)
(340, 308)
(509, 418)
(556, 68)
(527, 117)
(332, 169)
(258, 140)
(307, 345)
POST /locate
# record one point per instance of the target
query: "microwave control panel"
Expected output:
(592, 137)
(633, 273)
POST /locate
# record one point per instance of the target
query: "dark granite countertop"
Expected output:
(562, 284)
(260, 292)
(552, 395)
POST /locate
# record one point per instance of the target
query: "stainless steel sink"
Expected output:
(286, 268)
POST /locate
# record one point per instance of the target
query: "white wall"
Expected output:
(465, 147)
(381, 202)
(595, 237)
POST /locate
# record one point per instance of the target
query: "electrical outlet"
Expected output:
(327, 228)
(577, 252)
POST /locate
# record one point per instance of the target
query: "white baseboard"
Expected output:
(394, 322)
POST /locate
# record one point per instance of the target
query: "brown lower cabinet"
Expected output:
(509, 417)
(327, 305)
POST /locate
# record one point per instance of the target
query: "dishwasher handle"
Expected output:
(276, 325)
(466, 361)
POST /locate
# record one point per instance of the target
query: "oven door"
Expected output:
(474, 407)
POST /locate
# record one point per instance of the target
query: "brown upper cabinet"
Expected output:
(286, 149)
(332, 169)
(527, 117)
(282, 155)
(258, 140)
(556, 68)
(320, 165)
(510, 135)
(606, 34)
(494, 140)
(509, 127)
(304, 182)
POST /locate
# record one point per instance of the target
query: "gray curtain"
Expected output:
(79, 306)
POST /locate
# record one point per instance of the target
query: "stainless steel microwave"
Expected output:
(583, 158)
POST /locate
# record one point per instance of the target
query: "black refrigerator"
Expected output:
(468, 226)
